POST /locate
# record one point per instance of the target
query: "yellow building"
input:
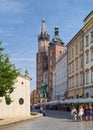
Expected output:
(80, 61)
(88, 55)
(75, 66)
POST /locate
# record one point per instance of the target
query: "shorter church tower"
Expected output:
(56, 47)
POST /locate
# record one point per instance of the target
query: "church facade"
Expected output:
(20, 105)
(47, 55)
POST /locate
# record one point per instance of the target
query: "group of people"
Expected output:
(83, 111)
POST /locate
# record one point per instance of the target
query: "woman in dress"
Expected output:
(81, 112)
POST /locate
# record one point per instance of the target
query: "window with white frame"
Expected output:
(87, 56)
(92, 54)
(91, 36)
(87, 76)
(87, 40)
(81, 78)
(92, 75)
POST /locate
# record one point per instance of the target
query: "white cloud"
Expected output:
(23, 59)
(6, 33)
(10, 6)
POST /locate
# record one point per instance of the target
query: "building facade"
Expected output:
(88, 55)
(20, 107)
(60, 78)
(75, 66)
(33, 97)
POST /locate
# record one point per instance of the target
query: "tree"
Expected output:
(8, 75)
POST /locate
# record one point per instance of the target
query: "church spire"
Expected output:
(56, 40)
(43, 34)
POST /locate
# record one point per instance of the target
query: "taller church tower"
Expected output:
(42, 64)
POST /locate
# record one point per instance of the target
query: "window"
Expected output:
(51, 62)
(92, 54)
(21, 101)
(87, 76)
(76, 80)
(51, 53)
(92, 75)
(69, 55)
(81, 78)
(91, 37)
(72, 82)
(81, 45)
(87, 56)
(76, 64)
(72, 52)
(76, 49)
(81, 61)
(87, 40)
(73, 67)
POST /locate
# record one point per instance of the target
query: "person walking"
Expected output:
(81, 112)
(86, 112)
(90, 113)
(73, 113)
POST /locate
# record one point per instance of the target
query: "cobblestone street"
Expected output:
(54, 120)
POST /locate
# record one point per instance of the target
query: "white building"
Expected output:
(20, 107)
(60, 78)
(88, 55)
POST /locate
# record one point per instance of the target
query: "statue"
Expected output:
(43, 91)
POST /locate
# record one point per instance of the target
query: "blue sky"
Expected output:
(20, 23)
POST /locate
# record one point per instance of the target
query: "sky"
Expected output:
(21, 21)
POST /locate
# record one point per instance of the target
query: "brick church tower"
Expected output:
(47, 55)
(42, 64)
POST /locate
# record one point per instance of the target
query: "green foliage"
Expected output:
(8, 74)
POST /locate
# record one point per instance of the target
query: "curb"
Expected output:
(17, 120)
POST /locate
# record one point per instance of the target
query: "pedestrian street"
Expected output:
(54, 120)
